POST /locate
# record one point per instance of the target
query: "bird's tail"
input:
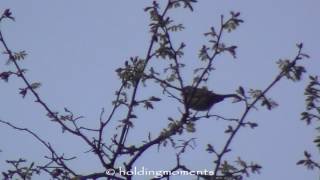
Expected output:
(232, 96)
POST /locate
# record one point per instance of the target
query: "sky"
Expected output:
(74, 48)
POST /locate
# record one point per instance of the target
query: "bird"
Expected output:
(201, 99)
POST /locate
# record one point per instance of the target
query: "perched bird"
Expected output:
(202, 99)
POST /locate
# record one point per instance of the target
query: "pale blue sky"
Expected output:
(74, 48)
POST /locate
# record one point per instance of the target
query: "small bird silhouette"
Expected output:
(202, 99)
